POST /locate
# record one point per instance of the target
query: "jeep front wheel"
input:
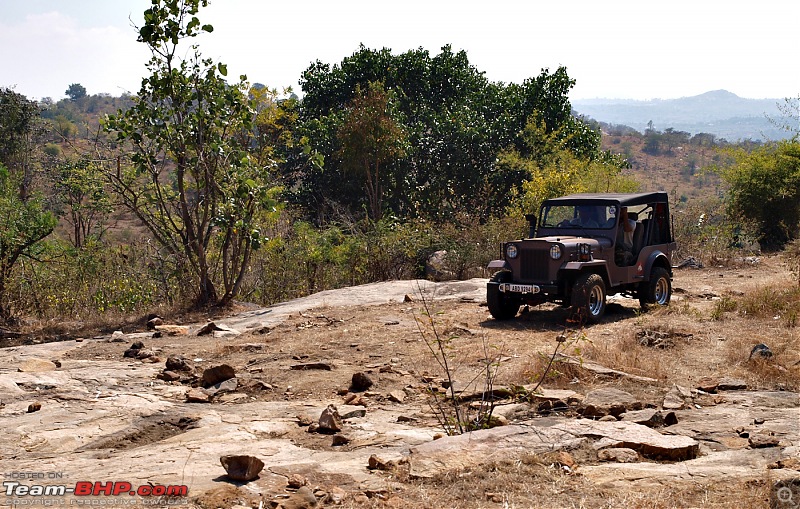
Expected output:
(656, 291)
(589, 298)
(501, 306)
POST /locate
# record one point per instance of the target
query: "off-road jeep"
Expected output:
(577, 254)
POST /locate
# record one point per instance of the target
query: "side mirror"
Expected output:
(531, 218)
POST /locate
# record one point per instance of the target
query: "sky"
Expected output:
(625, 49)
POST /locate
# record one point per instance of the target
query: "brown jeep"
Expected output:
(580, 251)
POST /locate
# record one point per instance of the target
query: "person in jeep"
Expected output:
(582, 248)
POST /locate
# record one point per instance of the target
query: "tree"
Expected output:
(75, 91)
(24, 218)
(23, 223)
(455, 120)
(82, 194)
(764, 188)
(369, 138)
(192, 182)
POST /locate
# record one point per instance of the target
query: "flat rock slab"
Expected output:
(544, 435)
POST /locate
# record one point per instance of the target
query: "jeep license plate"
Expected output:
(508, 287)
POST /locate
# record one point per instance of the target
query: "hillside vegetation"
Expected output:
(198, 193)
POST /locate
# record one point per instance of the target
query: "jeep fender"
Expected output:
(499, 265)
(656, 258)
(596, 266)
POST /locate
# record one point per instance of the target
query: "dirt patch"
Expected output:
(147, 431)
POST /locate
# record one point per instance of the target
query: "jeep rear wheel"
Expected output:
(588, 298)
(501, 306)
(656, 291)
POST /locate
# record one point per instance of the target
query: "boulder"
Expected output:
(217, 374)
(242, 467)
(618, 454)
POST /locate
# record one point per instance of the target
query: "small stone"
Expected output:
(731, 384)
(179, 363)
(760, 351)
(376, 463)
(607, 418)
(330, 420)
(296, 481)
(217, 374)
(758, 420)
(242, 467)
(360, 382)
(36, 365)
(168, 376)
(117, 336)
(335, 495)
(408, 298)
(145, 353)
(707, 384)
(154, 322)
(673, 400)
(618, 454)
(397, 396)
(761, 440)
(339, 440)
(197, 395)
(34, 407)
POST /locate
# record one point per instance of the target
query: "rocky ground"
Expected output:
(343, 397)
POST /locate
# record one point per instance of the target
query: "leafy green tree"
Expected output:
(75, 91)
(192, 183)
(764, 188)
(80, 187)
(456, 122)
(369, 137)
(23, 223)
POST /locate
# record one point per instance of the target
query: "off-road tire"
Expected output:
(588, 299)
(501, 306)
(656, 291)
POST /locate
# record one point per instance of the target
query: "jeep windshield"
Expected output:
(579, 216)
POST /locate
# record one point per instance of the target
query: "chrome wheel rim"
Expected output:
(596, 300)
(661, 291)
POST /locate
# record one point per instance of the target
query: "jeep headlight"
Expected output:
(512, 251)
(555, 251)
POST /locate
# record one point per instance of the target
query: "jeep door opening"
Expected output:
(577, 254)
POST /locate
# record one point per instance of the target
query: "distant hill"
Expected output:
(720, 112)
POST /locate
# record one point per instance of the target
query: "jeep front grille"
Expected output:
(534, 264)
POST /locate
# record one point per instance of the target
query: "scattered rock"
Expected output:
(618, 454)
(228, 385)
(242, 467)
(217, 374)
(296, 481)
(179, 363)
(761, 440)
(117, 337)
(173, 330)
(168, 376)
(673, 400)
(145, 353)
(791, 463)
(355, 413)
(707, 384)
(335, 495)
(325, 366)
(339, 440)
(213, 328)
(608, 418)
(197, 395)
(303, 498)
(34, 407)
(731, 384)
(360, 382)
(605, 401)
(761, 351)
(376, 463)
(36, 365)
(154, 322)
(408, 298)
(397, 396)
(330, 420)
